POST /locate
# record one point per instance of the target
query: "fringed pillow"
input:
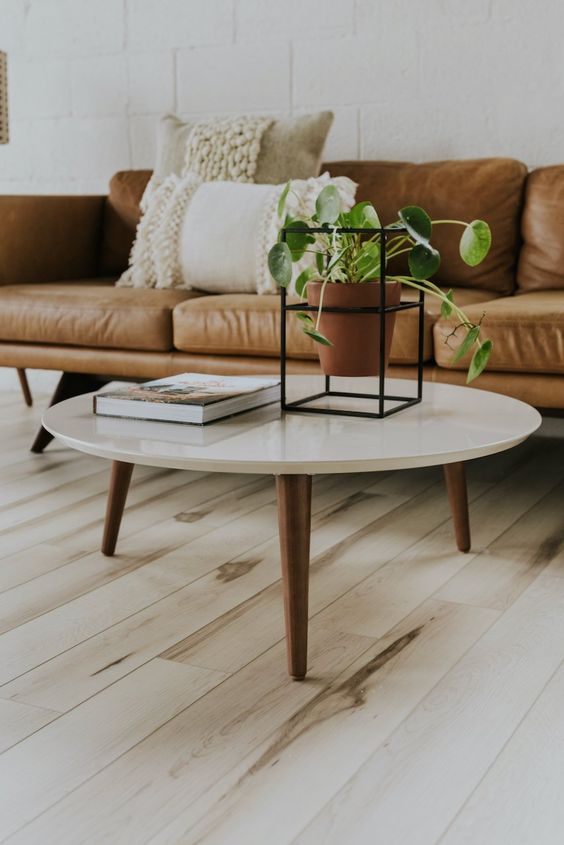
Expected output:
(215, 236)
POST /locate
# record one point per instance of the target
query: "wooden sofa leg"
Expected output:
(24, 384)
(70, 384)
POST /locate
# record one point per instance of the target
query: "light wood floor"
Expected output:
(144, 699)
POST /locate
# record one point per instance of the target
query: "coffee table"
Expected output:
(452, 425)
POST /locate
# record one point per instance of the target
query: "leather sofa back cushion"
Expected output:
(121, 216)
(541, 263)
(49, 238)
(490, 189)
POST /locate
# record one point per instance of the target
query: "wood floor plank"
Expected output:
(79, 672)
(39, 771)
(19, 453)
(190, 500)
(43, 505)
(20, 720)
(28, 564)
(85, 572)
(242, 633)
(87, 510)
(496, 576)
(40, 480)
(42, 638)
(334, 734)
(468, 716)
(178, 762)
(12, 403)
(520, 798)
(55, 525)
(429, 565)
(31, 466)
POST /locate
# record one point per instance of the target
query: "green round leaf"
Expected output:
(280, 264)
(363, 216)
(328, 205)
(424, 260)
(298, 241)
(320, 262)
(479, 360)
(302, 280)
(371, 219)
(417, 222)
(475, 242)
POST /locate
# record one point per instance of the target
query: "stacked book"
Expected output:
(188, 398)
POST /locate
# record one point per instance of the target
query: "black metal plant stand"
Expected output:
(304, 405)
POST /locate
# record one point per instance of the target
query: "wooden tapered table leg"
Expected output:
(294, 522)
(24, 384)
(119, 485)
(455, 480)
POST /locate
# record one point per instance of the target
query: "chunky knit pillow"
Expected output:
(215, 236)
(243, 149)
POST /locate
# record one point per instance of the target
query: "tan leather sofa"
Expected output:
(60, 256)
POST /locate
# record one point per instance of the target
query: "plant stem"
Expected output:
(438, 293)
(320, 307)
(456, 222)
(399, 252)
(393, 250)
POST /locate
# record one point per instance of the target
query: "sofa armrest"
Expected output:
(49, 238)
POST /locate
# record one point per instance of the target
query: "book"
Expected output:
(188, 398)
(167, 435)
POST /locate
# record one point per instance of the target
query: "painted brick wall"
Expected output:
(412, 79)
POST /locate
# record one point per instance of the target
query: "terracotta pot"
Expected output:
(355, 337)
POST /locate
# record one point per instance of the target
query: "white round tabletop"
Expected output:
(450, 424)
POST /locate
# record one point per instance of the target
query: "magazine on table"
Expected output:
(188, 398)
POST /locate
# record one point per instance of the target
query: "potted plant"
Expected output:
(345, 273)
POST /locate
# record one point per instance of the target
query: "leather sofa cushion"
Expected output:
(490, 189)
(247, 324)
(90, 313)
(542, 390)
(121, 216)
(541, 262)
(49, 238)
(527, 332)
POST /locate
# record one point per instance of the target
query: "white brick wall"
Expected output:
(408, 79)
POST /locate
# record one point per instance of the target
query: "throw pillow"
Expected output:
(243, 149)
(153, 261)
(215, 236)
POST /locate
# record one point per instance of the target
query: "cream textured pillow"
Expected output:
(290, 148)
(215, 236)
(224, 239)
(154, 259)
